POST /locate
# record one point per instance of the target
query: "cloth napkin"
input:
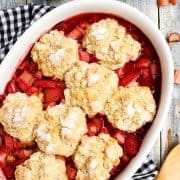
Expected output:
(13, 22)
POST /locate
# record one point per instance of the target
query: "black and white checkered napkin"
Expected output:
(13, 22)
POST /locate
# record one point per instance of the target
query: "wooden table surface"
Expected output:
(168, 20)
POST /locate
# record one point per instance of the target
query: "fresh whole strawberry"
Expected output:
(131, 145)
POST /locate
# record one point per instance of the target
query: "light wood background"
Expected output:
(168, 20)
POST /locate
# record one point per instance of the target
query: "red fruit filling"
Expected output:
(28, 79)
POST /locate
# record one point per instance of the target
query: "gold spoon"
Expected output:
(170, 169)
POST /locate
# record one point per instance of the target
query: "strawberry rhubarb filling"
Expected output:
(80, 103)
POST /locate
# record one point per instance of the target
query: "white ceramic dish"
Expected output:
(20, 49)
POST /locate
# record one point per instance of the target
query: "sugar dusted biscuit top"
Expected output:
(61, 131)
(111, 43)
(20, 114)
(55, 54)
(89, 86)
(41, 167)
(130, 108)
(96, 156)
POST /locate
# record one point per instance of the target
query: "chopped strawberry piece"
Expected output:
(9, 143)
(92, 129)
(9, 171)
(71, 172)
(120, 136)
(11, 87)
(32, 90)
(154, 70)
(27, 78)
(3, 156)
(98, 121)
(22, 86)
(128, 78)
(119, 72)
(143, 63)
(61, 157)
(53, 94)
(83, 55)
(105, 130)
(38, 75)
(131, 145)
(2, 176)
(46, 84)
(76, 33)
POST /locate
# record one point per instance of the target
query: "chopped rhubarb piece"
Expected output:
(3, 156)
(22, 86)
(92, 129)
(9, 143)
(9, 171)
(148, 51)
(71, 172)
(45, 84)
(11, 87)
(53, 94)
(98, 121)
(125, 159)
(105, 130)
(23, 153)
(32, 90)
(1, 130)
(131, 145)
(142, 63)
(46, 105)
(119, 72)
(61, 157)
(115, 169)
(128, 78)
(2, 176)
(23, 65)
(76, 33)
(173, 37)
(32, 67)
(120, 136)
(93, 58)
(38, 75)
(83, 55)
(27, 78)
(146, 79)
(26, 144)
(129, 67)
(10, 159)
(163, 2)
